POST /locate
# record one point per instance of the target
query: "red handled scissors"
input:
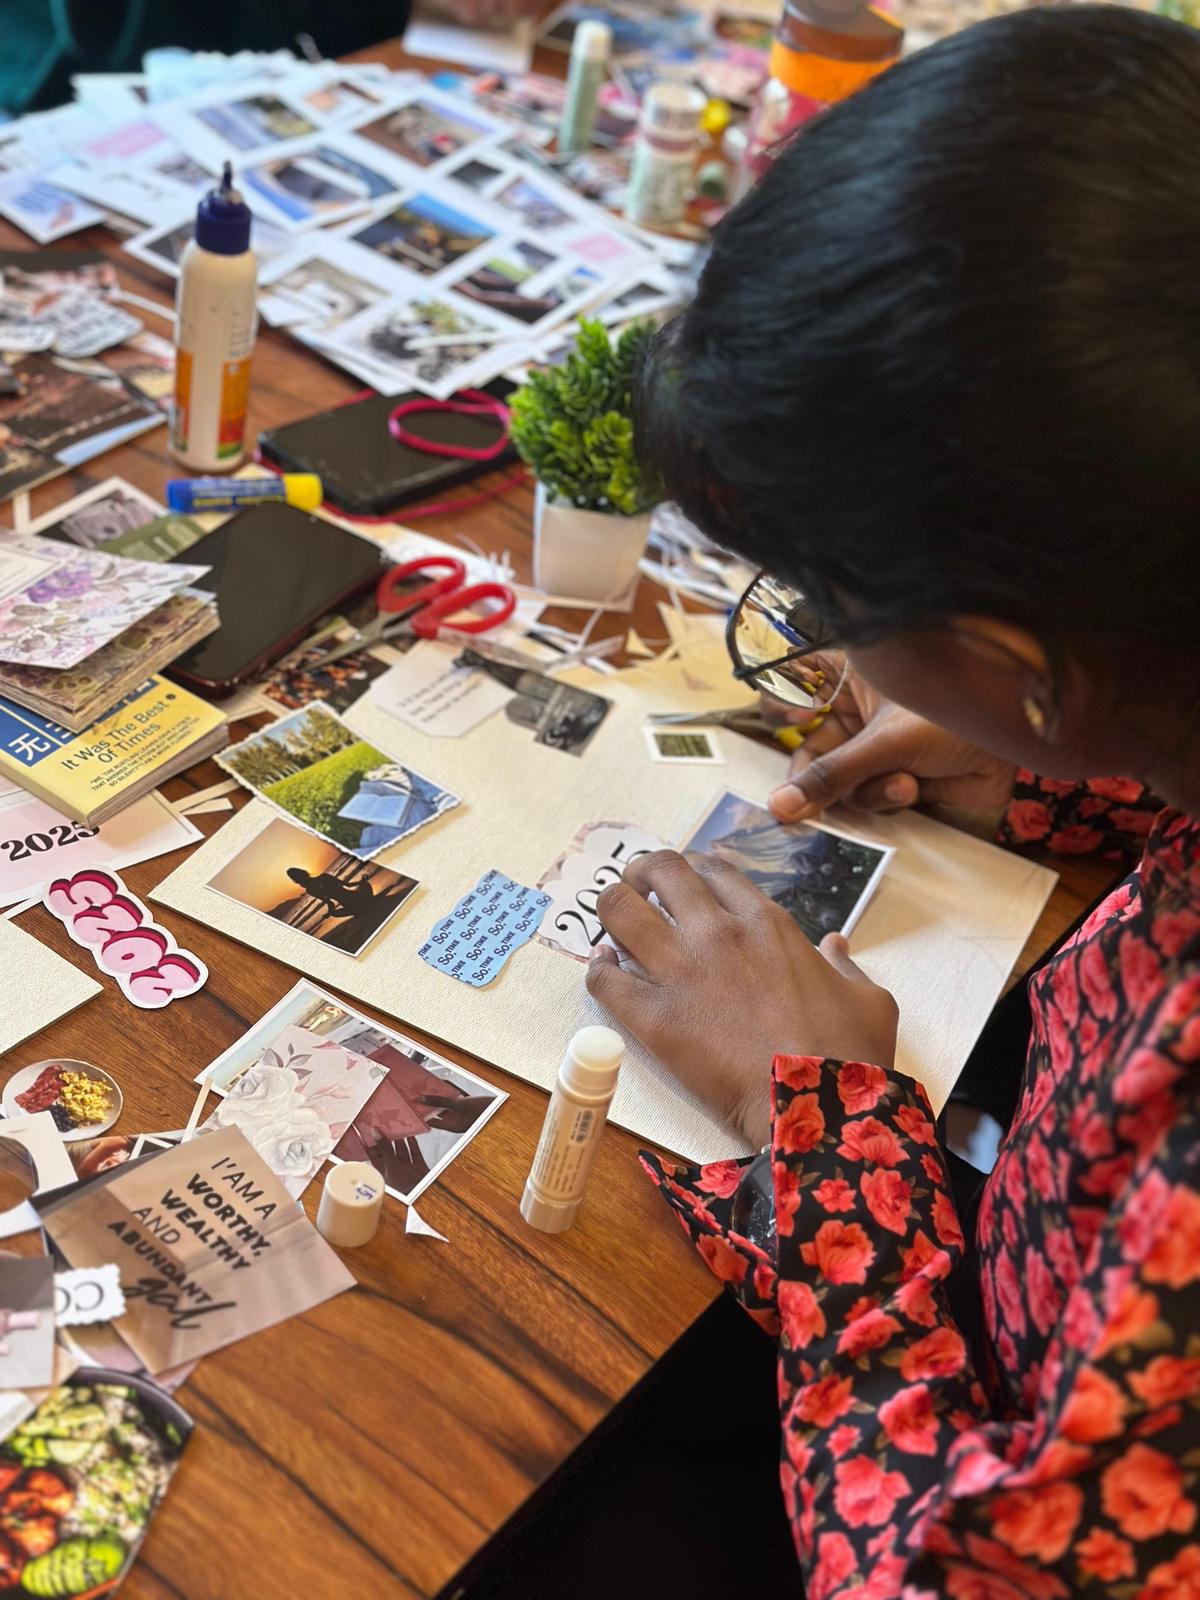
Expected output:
(409, 606)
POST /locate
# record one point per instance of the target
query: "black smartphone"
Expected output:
(363, 469)
(275, 572)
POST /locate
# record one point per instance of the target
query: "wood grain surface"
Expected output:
(373, 1446)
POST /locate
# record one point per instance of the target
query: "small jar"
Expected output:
(824, 51)
(665, 155)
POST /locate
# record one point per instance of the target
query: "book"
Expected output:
(76, 696)
(156, 731)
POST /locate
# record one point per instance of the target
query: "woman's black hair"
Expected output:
(945, 357)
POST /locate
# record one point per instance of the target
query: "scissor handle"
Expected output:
(392, 593)
(427, 623)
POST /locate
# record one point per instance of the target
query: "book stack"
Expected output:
(81, 629)
(155, 732)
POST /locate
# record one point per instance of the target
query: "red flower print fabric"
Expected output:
(1062, 1458)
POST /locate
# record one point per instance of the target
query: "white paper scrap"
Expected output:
(414, 1222)
(88, 1294)
(426, 691)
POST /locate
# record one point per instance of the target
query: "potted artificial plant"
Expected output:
(573, 425)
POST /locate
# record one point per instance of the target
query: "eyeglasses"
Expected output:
(772, 635)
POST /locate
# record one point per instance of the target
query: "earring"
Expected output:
(1034, 716)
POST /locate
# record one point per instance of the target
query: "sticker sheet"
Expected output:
(487, 925)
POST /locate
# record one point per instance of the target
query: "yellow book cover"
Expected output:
(135, 745)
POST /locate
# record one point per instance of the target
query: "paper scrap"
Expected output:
(497, 917)
(88, 1294)
(212, 1218)
(414, 1222)
(26, 1323)
(429, 692)
(214, 792)
(49, 1166)
(37, 842)
(595, 858)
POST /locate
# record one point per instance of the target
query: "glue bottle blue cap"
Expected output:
(223, 219)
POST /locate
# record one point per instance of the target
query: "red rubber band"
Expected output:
(472, 403)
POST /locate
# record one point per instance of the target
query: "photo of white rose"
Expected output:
(296, 1103)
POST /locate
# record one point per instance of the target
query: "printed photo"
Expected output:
(534, 206)
(185, 170)
(338, 100)
(117, 510)
(396, 335)
(58, 410)
(475, 175)
(425, 131)
(22, 464)
(694, 747)
(561, 716)
(418, 1119)
(257, 120)
(424, 234)
(314, 887)
(169, 246)
(317, 770)
(90, 1156)
(147, 365)
(331, 293)
(301, 679)
(163, 246)
(430, 1110)
(499, 283)
(316, 185)
(821, 878)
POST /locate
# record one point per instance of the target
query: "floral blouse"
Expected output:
(1065, 1460)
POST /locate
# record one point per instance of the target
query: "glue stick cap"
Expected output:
(592, 40)
(223, 219)
(593, 1058)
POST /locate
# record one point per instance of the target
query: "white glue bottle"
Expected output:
(216, 316)
(590, 50)
(571, 1132)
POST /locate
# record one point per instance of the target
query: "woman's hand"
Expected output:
(729, 983)
(875, 755)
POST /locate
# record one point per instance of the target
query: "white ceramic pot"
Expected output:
(586, 555)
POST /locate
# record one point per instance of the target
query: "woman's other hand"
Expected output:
(874, 755)
(730, 982)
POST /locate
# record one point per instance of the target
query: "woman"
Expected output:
(942, 375)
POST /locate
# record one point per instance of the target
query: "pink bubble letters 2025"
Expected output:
(97, 910)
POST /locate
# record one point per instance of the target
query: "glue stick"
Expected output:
(215, 319)
(589, 62)
(586, 1082)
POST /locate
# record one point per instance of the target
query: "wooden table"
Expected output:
(375, 1445)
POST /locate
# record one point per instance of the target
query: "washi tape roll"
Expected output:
(351, 1203)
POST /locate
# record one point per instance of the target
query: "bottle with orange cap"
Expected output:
(824, 51)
